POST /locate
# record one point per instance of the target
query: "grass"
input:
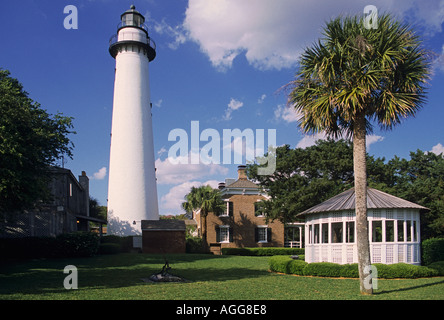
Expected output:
(118, 277)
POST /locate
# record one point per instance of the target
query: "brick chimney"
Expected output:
(84, 182)
(241, 172)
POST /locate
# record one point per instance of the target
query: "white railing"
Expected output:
(380, 252)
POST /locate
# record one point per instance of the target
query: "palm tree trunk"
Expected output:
(204, 231)
(360, 171)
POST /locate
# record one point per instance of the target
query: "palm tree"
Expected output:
(352, 78)
(205, 199)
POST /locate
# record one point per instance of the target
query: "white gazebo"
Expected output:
(394, 234)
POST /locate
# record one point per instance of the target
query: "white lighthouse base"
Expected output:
(122, 228)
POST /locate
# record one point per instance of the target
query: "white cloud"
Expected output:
(272, 34)
(438, 149)
(172, 201)
(232, 105)
(99, 175)
(170, 173)
(438, 62)
(288, 114)
(262, 98)
(161, 151)
(371, 139)
(177, 33)
(309, 140)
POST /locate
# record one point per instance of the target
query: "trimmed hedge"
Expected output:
(262, 251)
(287, 265)
(438, 266)
(77, 244)
(194, 245)
(432, 250)
(110, 248)
(125, 243)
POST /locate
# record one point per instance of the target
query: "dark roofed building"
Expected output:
(67, 211)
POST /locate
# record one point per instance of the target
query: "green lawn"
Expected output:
(213, 277)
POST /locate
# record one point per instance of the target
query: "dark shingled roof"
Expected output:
(375, 200)
(165, 224)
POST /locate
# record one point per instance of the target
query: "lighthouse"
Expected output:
(132, 190)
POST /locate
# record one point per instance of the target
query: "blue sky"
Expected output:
(219, 62)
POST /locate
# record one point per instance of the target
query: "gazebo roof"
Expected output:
(375, 200)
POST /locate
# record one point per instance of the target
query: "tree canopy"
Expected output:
(306, 177)
(30, 141)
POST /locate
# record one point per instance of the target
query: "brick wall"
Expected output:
(243, 224)
(163, 241)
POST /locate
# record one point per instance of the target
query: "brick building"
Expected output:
(242, 224)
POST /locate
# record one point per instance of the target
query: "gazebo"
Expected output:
(394, 234)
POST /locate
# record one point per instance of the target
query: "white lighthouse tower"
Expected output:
(132, 191)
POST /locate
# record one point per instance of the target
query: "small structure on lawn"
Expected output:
(394, 231)
(163, 236)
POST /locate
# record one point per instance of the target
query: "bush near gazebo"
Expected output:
(432, 250)
(285, 264)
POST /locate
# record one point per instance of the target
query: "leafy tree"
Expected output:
(30, 141)
(96, 210)
(352, 78)
(421, 180)
(205, 199)
(305, 177)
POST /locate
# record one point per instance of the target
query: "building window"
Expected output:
(415, 232)
(325, 233)
(377, 231)
(224, 234)
(389, 230)
(400, 230)
(263, 234)
(336, 232)
(316, 233)
(350, 232)
(409, 230)
(228, 211)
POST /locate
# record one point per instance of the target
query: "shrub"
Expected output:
(280, 263)
(432, 250)
(403, 270)
(264, 251)
(296, 267)
(323, 269)
(77, 244)
(109, 248)
(350, 270)
(193, 245)
(125, 243)
(438, 266)
(287, 265)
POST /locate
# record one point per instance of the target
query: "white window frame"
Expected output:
(226, 212)
(265, 228)
(224, 229)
